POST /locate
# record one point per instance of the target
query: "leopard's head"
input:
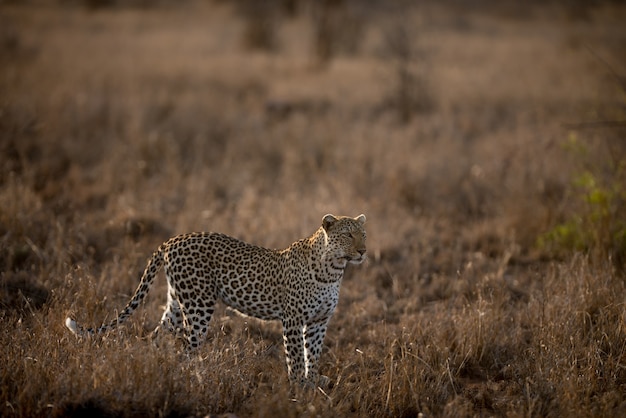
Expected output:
(346, 239)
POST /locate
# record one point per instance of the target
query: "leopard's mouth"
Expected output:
(357, 259)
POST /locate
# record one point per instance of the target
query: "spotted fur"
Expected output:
(298, 286)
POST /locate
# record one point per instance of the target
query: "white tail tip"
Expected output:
(71, 325)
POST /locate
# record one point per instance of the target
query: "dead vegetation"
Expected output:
(485, 146)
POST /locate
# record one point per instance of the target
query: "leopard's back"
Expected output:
(213, 265)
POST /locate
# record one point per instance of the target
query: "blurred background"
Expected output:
(481, 122)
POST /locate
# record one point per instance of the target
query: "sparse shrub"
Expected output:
(410, 92)
(338, 27)
(260, 20)
(597, 224)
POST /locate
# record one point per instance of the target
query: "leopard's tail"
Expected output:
(152, 268)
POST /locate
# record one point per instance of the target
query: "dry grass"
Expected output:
(120, 127)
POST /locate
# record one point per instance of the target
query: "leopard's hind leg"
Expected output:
(191, 302)
(172, 319)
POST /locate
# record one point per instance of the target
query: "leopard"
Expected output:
(298, 285)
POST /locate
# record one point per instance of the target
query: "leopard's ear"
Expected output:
(328, 220)
(360, 219)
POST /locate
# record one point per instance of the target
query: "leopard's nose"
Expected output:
(361, 251)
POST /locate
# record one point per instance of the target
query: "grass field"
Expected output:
(485, 143)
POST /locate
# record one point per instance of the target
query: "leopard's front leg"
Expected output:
(313, 342)
(293, 336)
